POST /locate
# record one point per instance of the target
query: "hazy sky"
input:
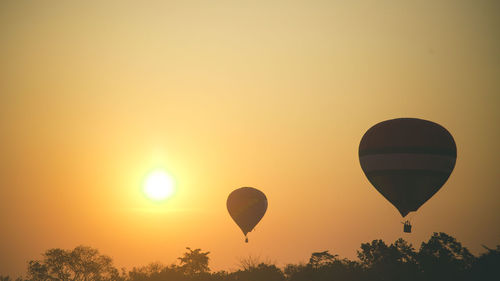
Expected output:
(223, 94)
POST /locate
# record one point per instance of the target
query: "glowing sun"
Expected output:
(159, 185)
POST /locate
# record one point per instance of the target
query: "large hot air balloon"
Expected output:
(407, 160)
(246, 206)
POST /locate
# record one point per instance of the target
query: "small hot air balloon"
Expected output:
(407, 160)
(246, 206)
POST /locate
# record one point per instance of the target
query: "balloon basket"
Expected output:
(407, 228)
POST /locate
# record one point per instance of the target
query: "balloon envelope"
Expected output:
(407, 160)
(246, 206)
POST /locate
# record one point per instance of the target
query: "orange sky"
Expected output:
(223, 94)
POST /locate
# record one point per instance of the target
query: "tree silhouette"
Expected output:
(149, 272)
(80, 264)
(389, 262)
(444, 257)
(487, 266)
(319, 259)
(194, 262)
(268, 272)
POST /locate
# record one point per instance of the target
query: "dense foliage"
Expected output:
(442, 257)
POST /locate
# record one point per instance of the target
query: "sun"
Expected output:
(159, 185)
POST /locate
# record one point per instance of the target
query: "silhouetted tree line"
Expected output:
(442, 257)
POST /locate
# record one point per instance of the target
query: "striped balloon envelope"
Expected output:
(407, 160)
